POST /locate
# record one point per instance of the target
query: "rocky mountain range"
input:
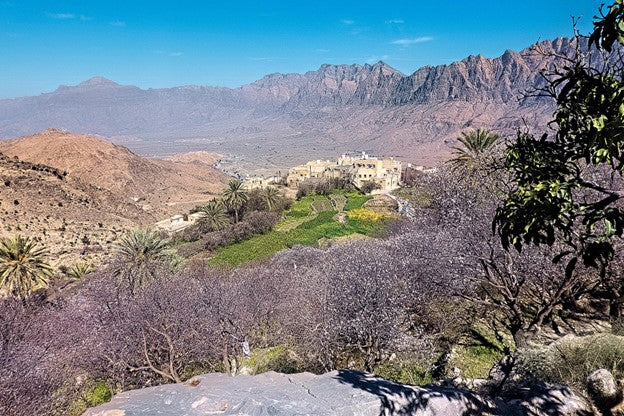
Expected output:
(283, 119)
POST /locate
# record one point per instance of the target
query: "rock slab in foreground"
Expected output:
(340, 393)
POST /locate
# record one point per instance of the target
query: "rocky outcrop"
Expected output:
(339, 393)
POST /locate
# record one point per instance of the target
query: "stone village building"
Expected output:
(386, 172)
(178, 222)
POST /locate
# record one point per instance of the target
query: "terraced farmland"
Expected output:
(310, 219)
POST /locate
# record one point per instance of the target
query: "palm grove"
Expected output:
(397, 306)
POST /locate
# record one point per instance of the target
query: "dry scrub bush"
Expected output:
(571, 359)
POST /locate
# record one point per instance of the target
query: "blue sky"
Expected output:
(230, 43)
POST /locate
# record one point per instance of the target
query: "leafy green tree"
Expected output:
(567, 187)
(475, 146)
(271, 196)
(215, 216)
(235, 197)
(140, 254)
(23, 267)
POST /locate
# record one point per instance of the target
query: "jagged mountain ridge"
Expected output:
(332, 109)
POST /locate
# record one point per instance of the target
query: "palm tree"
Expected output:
(475, 145)
(271, 197)
(215, 216)
(22, 266)
(235, 197)
(140, 254)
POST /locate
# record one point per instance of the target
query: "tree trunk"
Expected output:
(226, 360)
(614, 309)
(521, 337)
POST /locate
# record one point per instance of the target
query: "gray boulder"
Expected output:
(602, 387)
(603, 390)
(337, 393)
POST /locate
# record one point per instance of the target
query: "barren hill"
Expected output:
(78, 193)
(282, 119)
(208, 158)
(69, 217)
(159, 187)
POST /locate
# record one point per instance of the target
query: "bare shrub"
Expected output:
(369, 186)
(322, 186)
(571, 360)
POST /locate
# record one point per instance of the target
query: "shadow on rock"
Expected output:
(397, 399)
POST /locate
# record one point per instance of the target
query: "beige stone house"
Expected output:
(178, 222)
(385, 171)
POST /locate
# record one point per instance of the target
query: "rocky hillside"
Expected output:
(158, 187)
(280, 119)
(199, 156)
(71, 218)
(77, 194)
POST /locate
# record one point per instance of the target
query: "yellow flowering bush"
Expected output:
(365, 214)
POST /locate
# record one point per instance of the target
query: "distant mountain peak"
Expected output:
(386, 69)
(98, 82)
(381, 64)
(94, 83)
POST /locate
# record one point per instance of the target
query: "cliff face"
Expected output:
(336, 108)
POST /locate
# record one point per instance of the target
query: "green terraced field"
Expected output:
(322, 204)
(308, 221)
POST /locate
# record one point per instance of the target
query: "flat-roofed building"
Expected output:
(386, 172)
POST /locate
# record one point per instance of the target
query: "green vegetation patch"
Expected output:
(476, 361)
(479, 351)
(405, 372)
(93, 394)
(279, 358)
(308, 232)
(289, 224)
(355, 200)
(301, 208)
(300, 212)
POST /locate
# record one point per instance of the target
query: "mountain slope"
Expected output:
(69, 217)
(159, 187)
(282, 119)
